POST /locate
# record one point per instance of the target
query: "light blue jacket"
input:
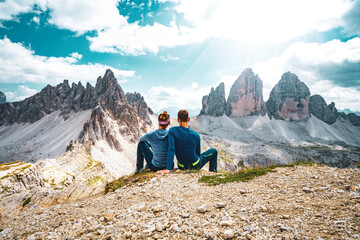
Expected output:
(158, 140)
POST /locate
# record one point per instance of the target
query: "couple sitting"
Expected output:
(181, 141)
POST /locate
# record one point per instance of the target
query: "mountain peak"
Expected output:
(246, 97)
(106, 82)
(289, 99)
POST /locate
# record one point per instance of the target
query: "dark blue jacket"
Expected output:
(185, 143)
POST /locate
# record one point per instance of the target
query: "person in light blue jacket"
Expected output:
(156, 159)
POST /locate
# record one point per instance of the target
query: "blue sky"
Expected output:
(174, 51)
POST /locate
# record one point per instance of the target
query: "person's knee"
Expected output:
(214, 151)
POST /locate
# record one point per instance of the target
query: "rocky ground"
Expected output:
(301, 202)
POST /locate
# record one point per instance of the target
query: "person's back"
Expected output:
(156, 158)
(186, 145)
(158, 140)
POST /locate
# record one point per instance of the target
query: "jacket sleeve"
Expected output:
(145, 137)
(198, 145)
(171, 152)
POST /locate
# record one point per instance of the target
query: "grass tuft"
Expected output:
(241, 176)
(128, 180)
(300, 163)
(246, 174)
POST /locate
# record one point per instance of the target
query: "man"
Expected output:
(158, 140)
(185, 143)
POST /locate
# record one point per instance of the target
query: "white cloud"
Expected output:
(36, 20)
(21, 93)
(194, 85)
(278, 20)
(163, 97)
(136, 40)
(318, 64)
(168, 58)
(11, 8)
(253, 21)
(189, 97)
(19, 64)
(81, 15)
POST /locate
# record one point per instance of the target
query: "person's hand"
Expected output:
(165, 171)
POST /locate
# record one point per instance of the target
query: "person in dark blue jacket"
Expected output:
(185, 144)
(158, 140)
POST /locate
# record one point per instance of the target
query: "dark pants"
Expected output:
(144, 152)
(207, 156)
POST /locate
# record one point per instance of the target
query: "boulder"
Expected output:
(289, 99)
(214, 104)
(246, 96)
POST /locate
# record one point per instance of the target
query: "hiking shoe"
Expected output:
(141, 169)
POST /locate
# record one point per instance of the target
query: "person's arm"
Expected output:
(145, 137)
(198, 146)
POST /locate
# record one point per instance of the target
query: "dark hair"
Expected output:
(163, 117)
(183, 115)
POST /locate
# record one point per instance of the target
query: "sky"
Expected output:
(174, 51)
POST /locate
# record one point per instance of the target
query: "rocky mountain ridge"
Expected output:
(290, 100)
(70, 138)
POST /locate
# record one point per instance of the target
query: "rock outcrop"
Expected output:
(113, 107)
(138, 103)
(2, 97)
(19, 176)
(214, 104)
(324, 112)
(246, 96)
(352, 118)
(289, 99)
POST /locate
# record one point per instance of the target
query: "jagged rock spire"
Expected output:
(246, 95)
(214, 103)
(289, 99)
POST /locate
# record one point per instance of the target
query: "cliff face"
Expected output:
(246, 96)
(2, 97)
(214, 104)
(289, 99)
(138, 103)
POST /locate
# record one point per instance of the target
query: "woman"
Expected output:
(158, 140)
